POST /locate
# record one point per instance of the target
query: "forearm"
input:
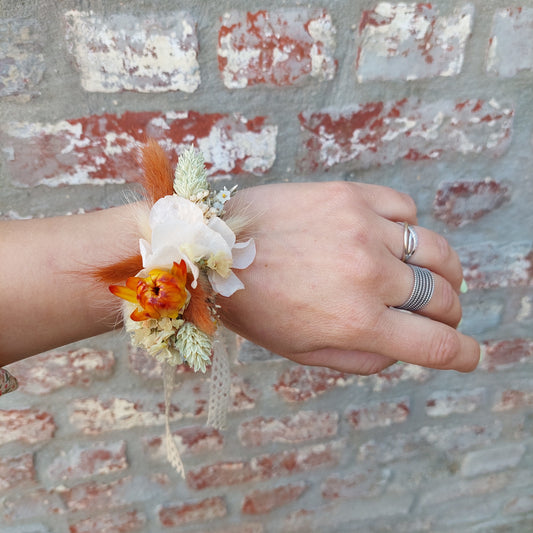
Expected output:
(49, 296)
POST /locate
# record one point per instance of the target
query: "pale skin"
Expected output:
(319, 292)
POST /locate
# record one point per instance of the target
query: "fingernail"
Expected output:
(464, 287)
(460, 324)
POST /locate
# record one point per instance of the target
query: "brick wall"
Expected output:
(433, 99)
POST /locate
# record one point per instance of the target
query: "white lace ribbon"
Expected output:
(219, 396)
(173, 454)
(219, 389)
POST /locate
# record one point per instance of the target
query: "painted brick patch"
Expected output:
(104, 148)
(96, 414)
(490, 265)
(126, 522)
(492, 459)
(363, 482)
(278, 47)
(412, 41)
(300, 383)
(40, 503)
(459, 202)
(26, 425)
(189, 440)
(511, 42)
(445, 403)
(16, 471)
(50, 371)
(377, 133)
(22, 63)
(145, 53)
(380, 414)
(394, 375)
(300, 427)
(518, 396)
(197, 511)
(500, 355)
(83, 461)
(263, 501)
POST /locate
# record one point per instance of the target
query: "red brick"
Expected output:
(504, 354)
(364, 482)
(126, 522)
(514, 398)
(460, 202)
(306, 520)
(96, 415)
(104, 148)
(263, 501)
(511, 42)
(445, 403)
(378, 133)
(145, 53)
(95, 495)
(265, 466)
(23, 63)
(491, 265)
(189, 440)
(380, 414)
(277, 47)
(26, 425)
(36, 504)
(50, 371)
(393, 375)
(300, 427)
(188, 512)
(237, 528)
(411, 41)
(301, 383)
(83, 461)
(17, 471)
(225, 473)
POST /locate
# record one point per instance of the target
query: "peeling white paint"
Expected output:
(122, 52)
(410, 44)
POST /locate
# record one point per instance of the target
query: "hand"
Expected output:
(328, 271)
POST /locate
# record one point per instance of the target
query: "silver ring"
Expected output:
(423, 289)
(410, 242)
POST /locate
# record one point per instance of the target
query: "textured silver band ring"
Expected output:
(410, 242)
(423, 288)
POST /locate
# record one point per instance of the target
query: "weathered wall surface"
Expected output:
(433, 99)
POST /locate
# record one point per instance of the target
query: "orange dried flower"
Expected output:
(161, 294)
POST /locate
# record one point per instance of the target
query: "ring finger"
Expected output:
(432, 251)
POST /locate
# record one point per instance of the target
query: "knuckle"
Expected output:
(443, 249)
(448, 300)
(446, 347)
(409, 203)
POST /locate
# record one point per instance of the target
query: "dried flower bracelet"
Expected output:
(186, 257)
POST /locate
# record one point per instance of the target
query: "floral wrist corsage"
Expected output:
(187, 253)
